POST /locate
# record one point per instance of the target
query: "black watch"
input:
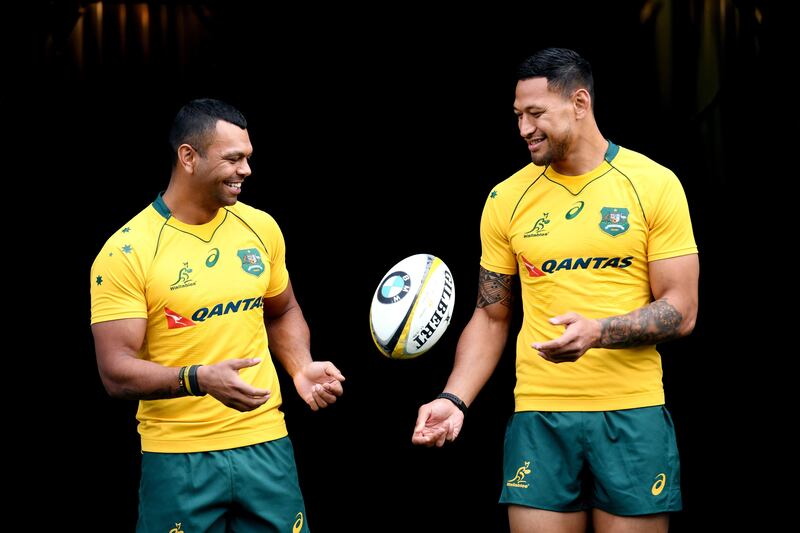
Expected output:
(456, 400)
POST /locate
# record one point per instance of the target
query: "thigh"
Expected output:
(542, 461)
(528, 520)
(608, 523)
(267, 491)
(633, 457)
(183, 492)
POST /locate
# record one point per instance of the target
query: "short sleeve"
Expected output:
(117, 286)
(496, 252)
(670, 224)
(279, 275)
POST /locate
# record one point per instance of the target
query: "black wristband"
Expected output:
(456, 400)
(182, 381)
(193, 381)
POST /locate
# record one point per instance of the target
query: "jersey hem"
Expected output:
(210, 445)
(116, 316)
(589, 404)
(498, 269)
(674, 253)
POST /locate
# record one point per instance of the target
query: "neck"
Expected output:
(587, 151)
(186, 205)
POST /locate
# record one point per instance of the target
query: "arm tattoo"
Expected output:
(654, 323)
(494, 287)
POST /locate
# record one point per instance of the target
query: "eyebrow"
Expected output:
(532, 107)
(237, 154)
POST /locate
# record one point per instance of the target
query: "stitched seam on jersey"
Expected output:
(526, 192)
(158, 240)
(199, 238)
(634, 191)
(251, 229)
(582, 188)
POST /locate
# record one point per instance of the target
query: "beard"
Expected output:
(556, 151)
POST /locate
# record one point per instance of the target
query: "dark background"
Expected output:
(377, 135)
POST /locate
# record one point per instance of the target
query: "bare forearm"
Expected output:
(290, 340)
(136, 379)
(478, 352)
(654, 323)
(482, 341)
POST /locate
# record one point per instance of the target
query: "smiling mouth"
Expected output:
(235, 186)
(534, 143)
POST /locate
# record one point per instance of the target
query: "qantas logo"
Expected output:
(575, 263)
(533, 271)
(247, 304)
(174, 320)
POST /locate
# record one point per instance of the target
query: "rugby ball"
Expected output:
(412, 306)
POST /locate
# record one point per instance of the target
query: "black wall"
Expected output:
(377, 137)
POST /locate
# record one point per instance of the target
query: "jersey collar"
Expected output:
(161, 206)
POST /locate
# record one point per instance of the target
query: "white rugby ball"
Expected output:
(412, 306)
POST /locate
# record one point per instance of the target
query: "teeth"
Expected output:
(234, 185)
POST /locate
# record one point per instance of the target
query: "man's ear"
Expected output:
(187, 157)
(582, 103)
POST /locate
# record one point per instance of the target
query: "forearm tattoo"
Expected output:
(494, 287)
(654, 323)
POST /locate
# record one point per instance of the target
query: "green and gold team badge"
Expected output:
(614, 220)
(251, 261)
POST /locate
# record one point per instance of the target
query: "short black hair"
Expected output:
(196, 123)
(564, 69)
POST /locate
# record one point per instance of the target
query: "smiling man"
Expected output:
(189, 299)
(600, 239)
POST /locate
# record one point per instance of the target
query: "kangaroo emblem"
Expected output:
(183, 275)
(539, 226)
(521, 473)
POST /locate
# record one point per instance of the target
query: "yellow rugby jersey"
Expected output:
(200, 287)
(583, 243)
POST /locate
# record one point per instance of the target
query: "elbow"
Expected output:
(687, 325)
(114, 387)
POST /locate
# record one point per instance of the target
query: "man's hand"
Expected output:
(222, 381)
(319, 383)
(581, 333)
(438, 422)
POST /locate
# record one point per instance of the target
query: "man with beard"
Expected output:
(180, 297)
(592, 230)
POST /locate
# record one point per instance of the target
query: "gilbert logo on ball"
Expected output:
(412, 306)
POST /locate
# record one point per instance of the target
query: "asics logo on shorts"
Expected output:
(298, 523)
(658, 486)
